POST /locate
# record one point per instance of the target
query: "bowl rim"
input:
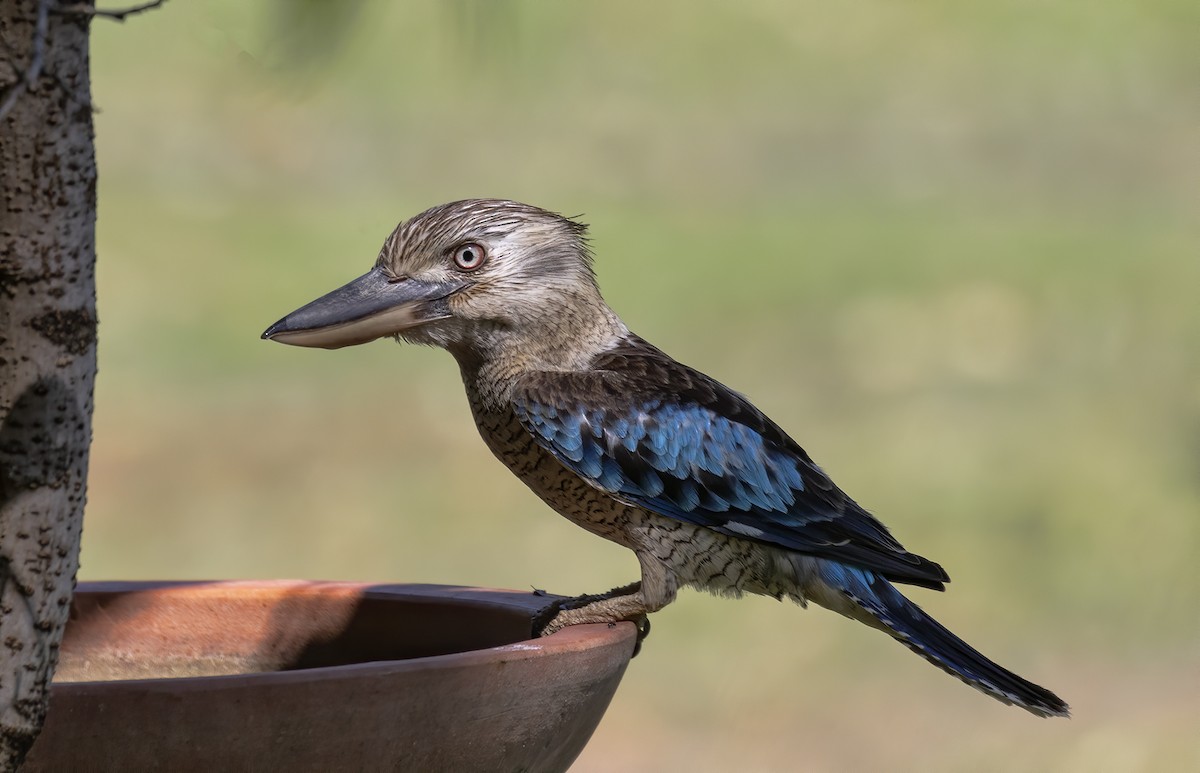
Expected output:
(572, 639)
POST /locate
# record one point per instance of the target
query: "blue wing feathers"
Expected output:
(665, 437)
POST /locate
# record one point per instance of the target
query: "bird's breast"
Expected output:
(563, 490)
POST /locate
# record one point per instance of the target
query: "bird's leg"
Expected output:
(606, 608)
(624, 603)
(633, 602)
(550, 613)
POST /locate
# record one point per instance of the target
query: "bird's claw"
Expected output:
(548, 621)
(555, 616)
(643, 628)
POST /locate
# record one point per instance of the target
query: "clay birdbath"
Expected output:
(308, 676)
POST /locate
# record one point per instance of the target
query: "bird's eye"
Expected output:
(469, 256)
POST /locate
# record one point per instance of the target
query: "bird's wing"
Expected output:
(657, 434)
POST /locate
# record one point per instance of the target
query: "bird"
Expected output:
(621, 439)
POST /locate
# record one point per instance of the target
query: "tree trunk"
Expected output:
(47, 348)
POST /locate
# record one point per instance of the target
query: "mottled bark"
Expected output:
(47, 350)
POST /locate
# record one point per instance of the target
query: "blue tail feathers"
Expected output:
(909, 625)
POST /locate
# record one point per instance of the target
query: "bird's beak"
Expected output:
(370, 307)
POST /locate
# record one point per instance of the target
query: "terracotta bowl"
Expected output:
(307, 676)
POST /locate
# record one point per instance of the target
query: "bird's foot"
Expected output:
(546, 621)
(643, 628)
(618, 604)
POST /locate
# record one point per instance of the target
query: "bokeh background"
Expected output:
(951, 247)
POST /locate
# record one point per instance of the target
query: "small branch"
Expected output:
(38, 45)
(35, 60)
(117, 14)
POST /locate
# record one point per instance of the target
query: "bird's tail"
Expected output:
(879, 604)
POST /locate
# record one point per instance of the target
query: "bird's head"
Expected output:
(459, 276)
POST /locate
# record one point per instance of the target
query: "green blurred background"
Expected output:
(951, 247)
